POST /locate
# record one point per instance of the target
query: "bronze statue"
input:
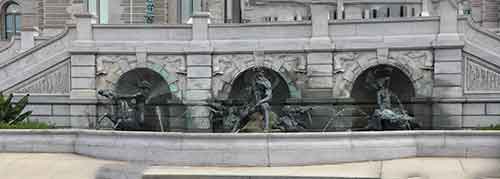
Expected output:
(128, 110)
(263, 95)
(387, 116)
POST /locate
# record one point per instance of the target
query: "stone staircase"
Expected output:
(23, 66)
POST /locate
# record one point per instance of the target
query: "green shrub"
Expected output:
(491, 127)
(12, 113)
(26, 125)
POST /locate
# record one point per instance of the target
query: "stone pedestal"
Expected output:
(27, 38)
(84, 26)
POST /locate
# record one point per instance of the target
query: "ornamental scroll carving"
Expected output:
(480, 77)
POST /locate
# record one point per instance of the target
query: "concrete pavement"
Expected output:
(63, 166)
(411, 168)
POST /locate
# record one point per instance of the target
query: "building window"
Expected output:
(186, 10)
(267, 19)
(467, 11)
(374, 13)
(413, 12)
(402, 10)
(388, 12)
(12, 20)
(100, 9)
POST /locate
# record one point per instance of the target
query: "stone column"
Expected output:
(83, 70)
(425, 7)
(199, 75)
(340, 9)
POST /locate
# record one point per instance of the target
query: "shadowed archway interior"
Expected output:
(241, 91)
(366, 96)
(157, 97)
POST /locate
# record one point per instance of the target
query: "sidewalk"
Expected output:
(64, 166)
(421, 168)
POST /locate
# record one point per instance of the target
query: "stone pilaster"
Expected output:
(84, 26)
(320, 39)
(448, 74)
(320, 73)
(319, 60)
(83, 89)
(340, 9)
(425, 8)
(448, 23)
(199, 75)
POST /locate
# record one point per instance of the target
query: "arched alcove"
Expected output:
(156, 110)
(365, 95)
(241, 91)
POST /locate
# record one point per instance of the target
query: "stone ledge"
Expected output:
(255, 149)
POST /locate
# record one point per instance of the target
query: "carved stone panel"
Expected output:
(481, 77)
(417, 65)
(291, 67)
(55, 80)
(171, 67)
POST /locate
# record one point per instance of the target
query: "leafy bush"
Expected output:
(12, 113)
(26, 125)
(491, 127)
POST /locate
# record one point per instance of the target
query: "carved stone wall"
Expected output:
(417, 65)
(226, 68)
(481, 77)
(55, 80)
(171, 68)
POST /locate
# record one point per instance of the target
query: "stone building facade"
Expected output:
(320, 51)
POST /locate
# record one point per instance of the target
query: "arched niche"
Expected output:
(157, 99)
(365, 96)
(242, 86)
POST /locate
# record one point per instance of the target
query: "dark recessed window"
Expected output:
(374, 13)
(12, 19)
(413, 12)
(388, 12)
(401, 11)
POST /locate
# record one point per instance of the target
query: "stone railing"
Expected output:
(481, 42)
(258, 149)
(9, 50)
(35, 60)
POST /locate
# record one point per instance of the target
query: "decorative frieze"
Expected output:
(291, 67)
(54, 81)
(481, 77)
